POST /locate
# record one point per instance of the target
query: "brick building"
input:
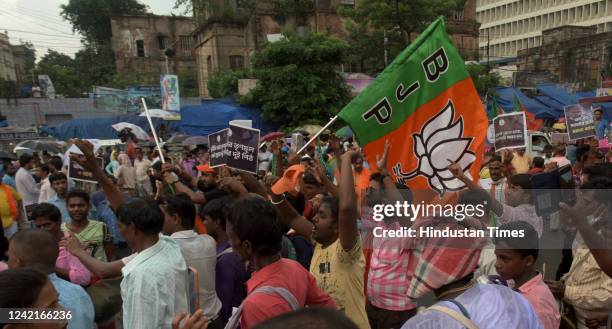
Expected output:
(139, 42)
(573, 55)
(228, 36)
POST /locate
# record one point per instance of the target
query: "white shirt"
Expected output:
(154, 286)
(264, 160)
(26, 186)
(200, 253)
(142, 166)
(46, 191)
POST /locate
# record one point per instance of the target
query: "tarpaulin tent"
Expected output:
(565, 97)
(200, 120)
(505, 99)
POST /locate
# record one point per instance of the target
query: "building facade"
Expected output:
(7, 62)
(574, 55)
(508, 26)
(139, 43)
(227, 41)
(24, 61)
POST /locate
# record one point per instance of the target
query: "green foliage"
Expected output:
(30, 57)
(398, 19)
(298, 80)
(300, 9)
(122, 81)
(63, 73)
(224, 83)
(483, 78)
(209, 11)
(92, 17)
(95, 64)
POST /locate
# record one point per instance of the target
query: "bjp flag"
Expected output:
(533, 123)
(426, 105)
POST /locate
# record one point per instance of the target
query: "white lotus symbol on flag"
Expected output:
(439, 141)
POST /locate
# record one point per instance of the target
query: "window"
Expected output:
(140, 48)
(162, 42)
(236, 62)
(185, 45)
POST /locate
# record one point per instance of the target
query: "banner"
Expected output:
(171, 100)
(110, 99)
(426, 105)
(236, 147)
(152, 95)
(510, 131)
(46, 85)
(217, 142)
(579, 121)
(559, 138)
(76, 172)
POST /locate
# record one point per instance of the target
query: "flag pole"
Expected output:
(159, 149)
(313, 138)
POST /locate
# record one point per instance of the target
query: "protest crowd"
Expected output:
(155, 241)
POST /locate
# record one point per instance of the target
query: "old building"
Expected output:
(7, 63)
(510, 26)
(24, 63)
(227, 36)
(139, 43)
(574, 55)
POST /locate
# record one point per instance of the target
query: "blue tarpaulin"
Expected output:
(200, 120)
(505, 99)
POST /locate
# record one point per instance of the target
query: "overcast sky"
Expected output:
(39, 22)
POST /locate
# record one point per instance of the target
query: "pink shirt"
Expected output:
(542, 301)
(77, 272)
(561, 161)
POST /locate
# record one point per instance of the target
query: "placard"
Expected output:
(217, 142)
(236, 147)
(559, 138)
(579, 121)
(510, 131)
(244, 147)
(77, 172)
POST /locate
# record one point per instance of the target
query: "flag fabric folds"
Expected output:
(426, 105)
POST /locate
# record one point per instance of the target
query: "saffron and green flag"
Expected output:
(533, 123)
(426, 105)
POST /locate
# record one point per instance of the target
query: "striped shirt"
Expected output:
(389, 276)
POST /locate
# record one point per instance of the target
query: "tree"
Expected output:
(94, 65)
(483, 78)
(92, 17)
(63, 73)
(397, 19)
(299, 9)
(298, 80)
(224, 83)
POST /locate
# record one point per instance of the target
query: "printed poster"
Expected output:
(510, 131)
(171, 101)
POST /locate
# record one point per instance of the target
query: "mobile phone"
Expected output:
(567, 185)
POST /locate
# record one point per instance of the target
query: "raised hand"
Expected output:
(88, 159)
(381, 162)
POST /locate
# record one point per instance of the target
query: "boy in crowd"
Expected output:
(93, 234)
(47, 217)
(231, 274)
(38, 249)
(516, 259)
(278, 285)
(198, 250)
(59, 184)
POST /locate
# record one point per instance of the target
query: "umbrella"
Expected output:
(309, 129)
(272, 136)
(156, 113)
(7, 155)
(196, 140)
(42, 145)
(134, 129)
(344, 132)
(177, 138)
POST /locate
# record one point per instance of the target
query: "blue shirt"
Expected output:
(61, 205)
(600, 128)
(105, 214)
(74, 298)
(9, 180)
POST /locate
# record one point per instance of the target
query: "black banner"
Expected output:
(218, 148)
(579, 121)
(510, 131)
